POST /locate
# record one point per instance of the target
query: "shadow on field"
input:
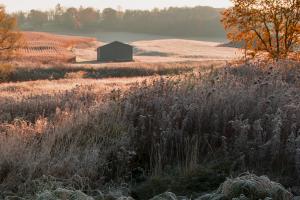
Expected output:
(55, 73)
(102, 62)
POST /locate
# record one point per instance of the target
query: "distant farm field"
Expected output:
(109, 36)
(46, 47)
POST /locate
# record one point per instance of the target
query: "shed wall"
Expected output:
(115, 52)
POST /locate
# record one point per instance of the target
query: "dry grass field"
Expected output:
(183, 50)
(169, 50)
(82, 134)
(46, 47)
(182, 117)
(48, 56)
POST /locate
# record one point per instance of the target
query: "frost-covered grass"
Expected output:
(250, 186)
(247, 116)
(37, 71)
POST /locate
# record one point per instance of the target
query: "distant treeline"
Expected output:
(192, 22)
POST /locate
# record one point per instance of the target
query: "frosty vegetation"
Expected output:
(235, 119)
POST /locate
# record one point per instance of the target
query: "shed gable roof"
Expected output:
(116, 43)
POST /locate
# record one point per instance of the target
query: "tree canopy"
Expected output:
(272, 26)
(191, 22)
(10, 38)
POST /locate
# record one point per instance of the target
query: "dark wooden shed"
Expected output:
(115, 52)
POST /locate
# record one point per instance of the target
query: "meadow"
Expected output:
(90, 130)
(126, 131)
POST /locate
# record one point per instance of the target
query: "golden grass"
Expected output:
(39, 87)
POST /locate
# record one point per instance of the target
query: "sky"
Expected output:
(26, 5)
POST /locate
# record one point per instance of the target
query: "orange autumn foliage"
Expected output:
(271, 26)
(10, 38)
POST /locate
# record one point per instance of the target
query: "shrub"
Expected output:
(250, 186)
